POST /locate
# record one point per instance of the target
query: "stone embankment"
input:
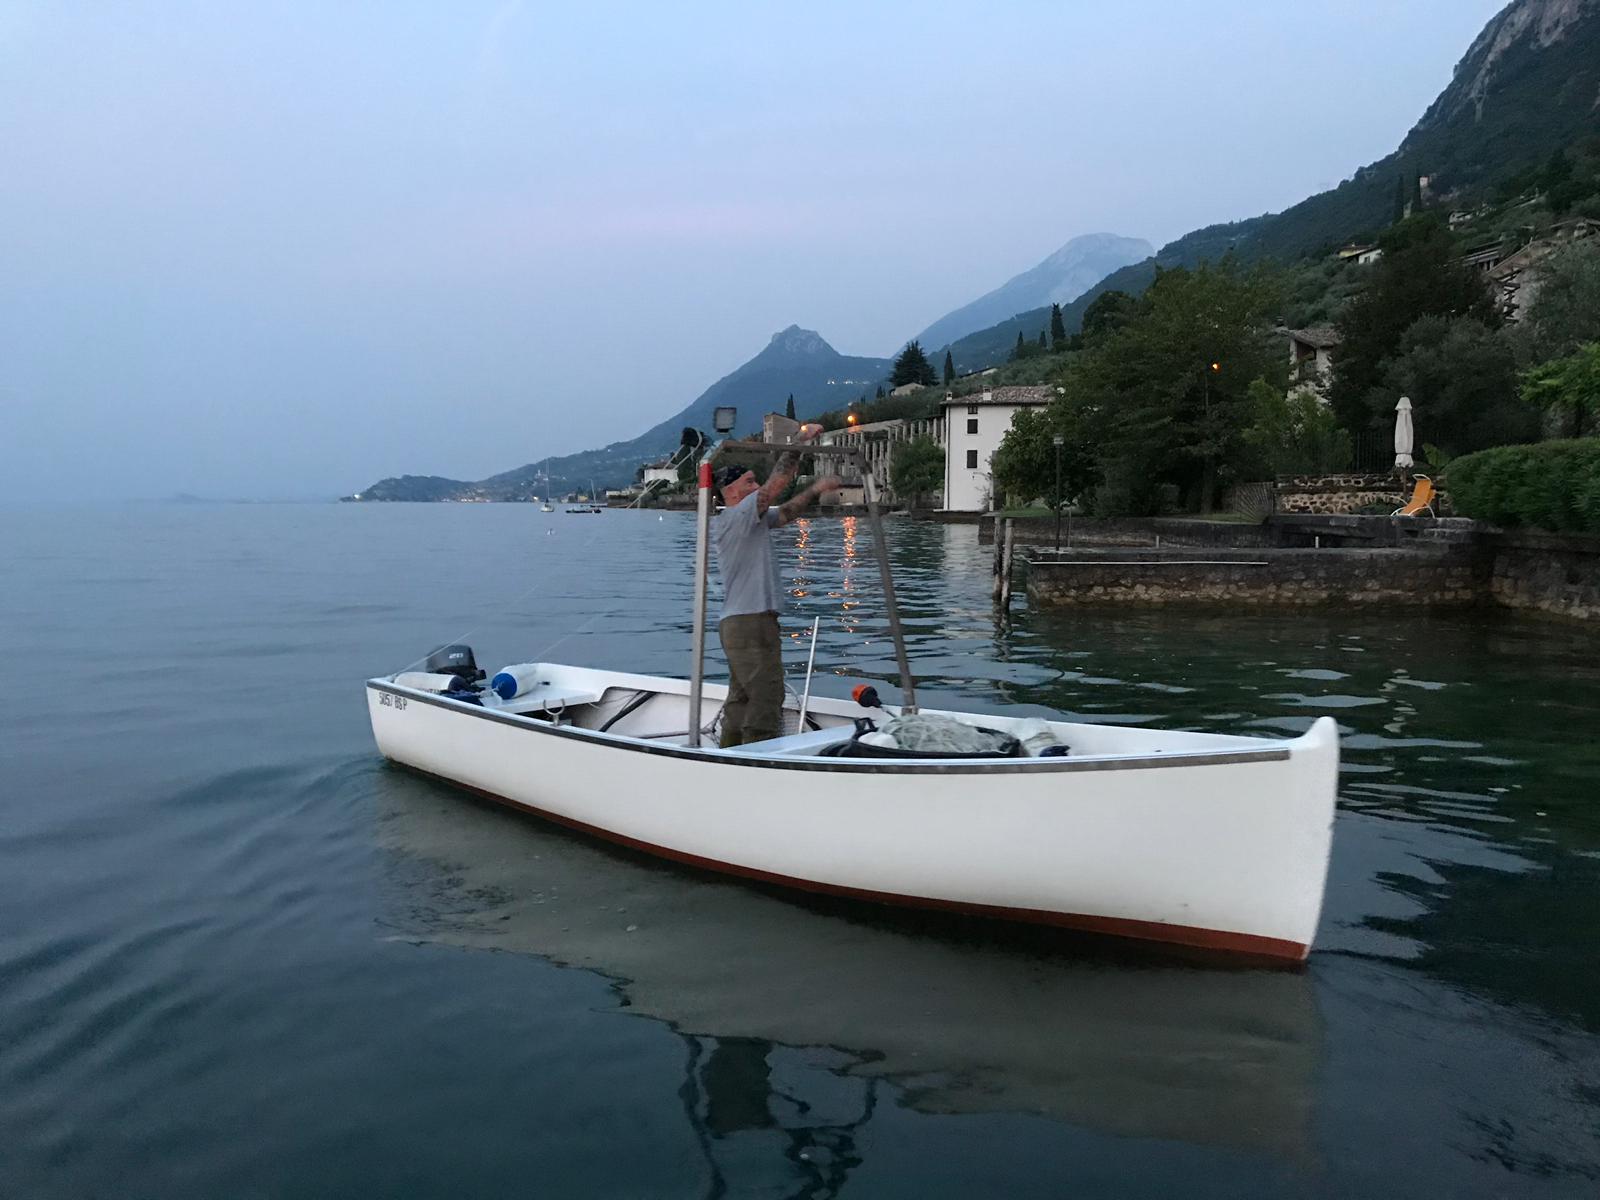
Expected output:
(1340, 561)
(1431, 578)
(1544, 572)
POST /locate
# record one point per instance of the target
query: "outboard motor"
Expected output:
(454, 660)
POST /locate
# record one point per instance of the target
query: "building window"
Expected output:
(972, 424)
(972, 460)
(972, 410)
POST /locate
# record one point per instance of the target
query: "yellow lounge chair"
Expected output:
(1421, 501)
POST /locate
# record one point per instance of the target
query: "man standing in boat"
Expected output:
(751, 594)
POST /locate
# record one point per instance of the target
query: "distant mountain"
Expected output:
(1529, 85)
(1059, 279)
(1526, 87)
(795, 362)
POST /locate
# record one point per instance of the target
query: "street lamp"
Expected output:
(1058, 441)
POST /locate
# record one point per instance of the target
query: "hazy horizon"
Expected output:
(284, 251)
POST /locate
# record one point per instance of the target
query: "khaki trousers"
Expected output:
(754, 711)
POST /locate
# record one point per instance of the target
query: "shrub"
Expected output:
(1547, 485)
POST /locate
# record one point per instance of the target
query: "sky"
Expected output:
(279, 250)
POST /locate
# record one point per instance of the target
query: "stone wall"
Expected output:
(1545, 573)
(1443, 577)
(1341, 493)
(1129, 531)
(1541, 573)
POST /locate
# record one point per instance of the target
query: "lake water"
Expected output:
(240, 956)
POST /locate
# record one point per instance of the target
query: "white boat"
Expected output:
(1200, 840)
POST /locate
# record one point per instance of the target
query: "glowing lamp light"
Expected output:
(852, 419)
(1216, 366)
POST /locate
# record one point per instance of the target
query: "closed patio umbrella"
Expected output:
(1402, 433)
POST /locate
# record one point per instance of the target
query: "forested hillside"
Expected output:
(1527, 87)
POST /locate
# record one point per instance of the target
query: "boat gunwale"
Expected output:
(1272, 751)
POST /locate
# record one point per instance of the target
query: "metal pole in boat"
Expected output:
(702, 556)
(722, 420)
(908, 688)
(811, 662)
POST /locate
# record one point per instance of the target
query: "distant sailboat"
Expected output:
(547, 506)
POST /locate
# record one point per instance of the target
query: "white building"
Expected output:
(973, 428)
(660, 472)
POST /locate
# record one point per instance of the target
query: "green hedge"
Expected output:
(1546, 485)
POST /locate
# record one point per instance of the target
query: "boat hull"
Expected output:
(1223, 850)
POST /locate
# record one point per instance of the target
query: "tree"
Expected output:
(1042, 346)
(788, 409)
(1058, 329)
(1399, 198)
(1024, 467)
(1568, 391)
(916, 468)
(1418, 276)
(881, 392)
(1021, 350)
(1107, 313)
(1294, 434)
(949, 368)
(1565, 312)
(1461, 377)
(1416, 194)
(1173, 386)
(912, 367)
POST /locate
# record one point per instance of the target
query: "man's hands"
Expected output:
(828, 483)
(809, 432)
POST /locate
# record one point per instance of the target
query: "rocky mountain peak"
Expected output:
(1532, 24)
(795, 342)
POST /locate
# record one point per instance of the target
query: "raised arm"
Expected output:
(802, 500)
(778, 482)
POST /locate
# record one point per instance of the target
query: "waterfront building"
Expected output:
(877, 441)
(660, 472)
(974, 426)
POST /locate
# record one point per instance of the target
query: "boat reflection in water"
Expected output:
(796, 1013)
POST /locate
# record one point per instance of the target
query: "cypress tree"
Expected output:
(1399, 199)
(1058, 328)
(788, 409)
(912, 367)
(881, 392)
(1022, 347)
(949, 368)
(1041, 339)
(1416, 194)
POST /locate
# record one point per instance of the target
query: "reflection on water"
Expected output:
(962, 1017)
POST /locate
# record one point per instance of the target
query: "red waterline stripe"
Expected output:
(1279, 951)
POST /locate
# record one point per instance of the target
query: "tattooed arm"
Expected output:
(778, 482)
(800, 501)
